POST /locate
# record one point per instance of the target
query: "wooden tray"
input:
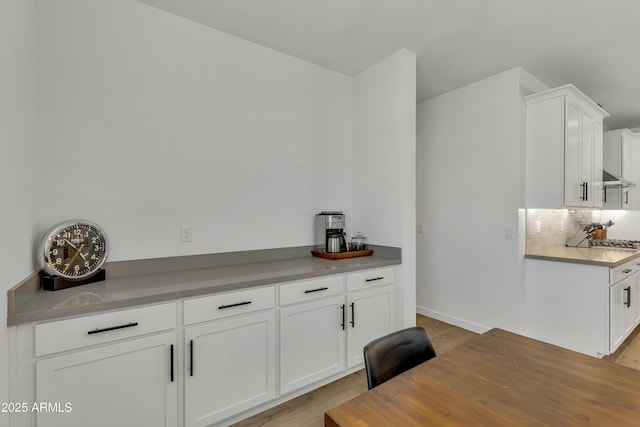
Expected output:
(341, 255)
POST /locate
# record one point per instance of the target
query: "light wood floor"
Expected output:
(308, 410)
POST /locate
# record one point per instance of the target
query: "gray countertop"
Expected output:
(27, 303)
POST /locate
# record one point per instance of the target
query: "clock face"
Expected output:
(74, 249)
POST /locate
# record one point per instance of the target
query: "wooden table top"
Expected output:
(500, 379)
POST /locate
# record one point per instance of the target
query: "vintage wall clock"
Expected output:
(72, 253)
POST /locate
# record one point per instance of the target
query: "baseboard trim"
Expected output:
(453, 320)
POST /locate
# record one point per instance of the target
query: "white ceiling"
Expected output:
(594, 44)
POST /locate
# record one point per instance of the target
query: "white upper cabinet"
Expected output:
(621, 152)
(563, 149)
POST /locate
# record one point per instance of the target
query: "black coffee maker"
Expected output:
(330, 235)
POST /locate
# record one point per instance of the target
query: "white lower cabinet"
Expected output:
(205, 365)
(624, 309)
(116, 368)
(587, 308)
(230, 367)
(312, 340)
(620, 312)
(324, 333)
(125, 384)
(370, 314)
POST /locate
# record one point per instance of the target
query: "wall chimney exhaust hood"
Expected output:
(610, 180)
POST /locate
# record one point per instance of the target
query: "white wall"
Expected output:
(470, 189)
(384, 147)
(142, 121)
(150, 121)
(18, 208)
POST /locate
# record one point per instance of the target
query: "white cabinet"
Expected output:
(327, 335)
(109, 372)
(567, 304)
(370, 310)
(621, 314)
(230, 363)
(624, 303)
(621, 153)
(370, 316)
(312, 341)
(132, 383)
(587, 308)
(206, 361)
(563, 149)
(230, 367)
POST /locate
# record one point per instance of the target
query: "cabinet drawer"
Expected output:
(624, 270)
(217, 306)
(369, 278)
(311, 289)
(62, 335)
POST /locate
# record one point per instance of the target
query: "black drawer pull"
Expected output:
(113, 328)
(375, 278)
(627, 271)
(222, 307)
(315, 290)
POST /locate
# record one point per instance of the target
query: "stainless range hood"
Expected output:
(610, 180)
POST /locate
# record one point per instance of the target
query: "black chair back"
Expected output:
(395, 353)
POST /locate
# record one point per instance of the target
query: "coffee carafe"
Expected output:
(330, 234)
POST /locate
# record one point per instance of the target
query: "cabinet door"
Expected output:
(595, 176)
(312, 337)
(587, 159)
(574, 185)
(635, 301)
(230, 367)
(616, 315)
(622, 312)
(583, 158)
(370, 316)
(631, 165)
(124, 384)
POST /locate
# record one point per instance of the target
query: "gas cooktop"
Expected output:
(614, 244)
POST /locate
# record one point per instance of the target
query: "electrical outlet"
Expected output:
(508, 233)
(186, 233)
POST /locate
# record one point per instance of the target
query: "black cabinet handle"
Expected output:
(315, 290)
(343, 317)
(605, 194)
(374, 279)
(191, 358)
(222, 307)
(586, 191)
(627, 270)
(626, 197)
(627, 290)
(171, 362)
(113, 328)
(353, 314)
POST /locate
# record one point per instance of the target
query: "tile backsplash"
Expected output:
(553, 227)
